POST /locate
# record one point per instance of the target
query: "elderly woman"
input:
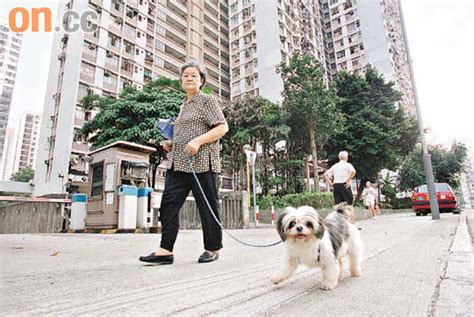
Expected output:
(197, 131)
(369, 195)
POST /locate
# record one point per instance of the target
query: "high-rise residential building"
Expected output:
(6, 165)
(21, 144)
(265, 33)
(10, 45)
(364, 32)
(136, 41)
(27, 141)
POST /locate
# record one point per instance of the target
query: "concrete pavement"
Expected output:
(412, 266)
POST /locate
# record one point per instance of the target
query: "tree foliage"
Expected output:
(25, 174)
(310, 104)
(377, 133)
(447, 166)
(132, 117)
(255, 121)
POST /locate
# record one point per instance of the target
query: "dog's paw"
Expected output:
(326, 285)
(276, 279)
(356, 272)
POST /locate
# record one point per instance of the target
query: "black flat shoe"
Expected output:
(208, 257)
(157, 259)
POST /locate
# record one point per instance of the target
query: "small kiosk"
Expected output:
(116, 173)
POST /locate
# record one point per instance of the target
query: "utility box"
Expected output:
(111, 167)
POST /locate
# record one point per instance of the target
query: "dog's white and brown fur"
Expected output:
(315, 242)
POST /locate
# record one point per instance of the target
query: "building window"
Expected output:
(97, 179)
(128, 47)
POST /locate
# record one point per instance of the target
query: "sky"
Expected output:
(440, 35)
(441, 40)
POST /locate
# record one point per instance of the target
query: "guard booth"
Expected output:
(115, 171)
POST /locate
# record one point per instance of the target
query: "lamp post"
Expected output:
(251, 157)
(426, 157)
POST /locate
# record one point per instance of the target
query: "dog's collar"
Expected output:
(319, 252)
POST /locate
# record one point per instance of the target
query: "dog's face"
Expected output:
(300, 225)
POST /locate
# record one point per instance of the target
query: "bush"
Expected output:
(384, 205)
(401, 203)
(316, 200)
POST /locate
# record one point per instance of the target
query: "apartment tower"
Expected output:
(10, 45)
(364, 32)
(265, 33)
(136, 41)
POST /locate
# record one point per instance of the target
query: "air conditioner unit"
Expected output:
(92, 46)
(98, 10)
(119, 20)
(109, 54)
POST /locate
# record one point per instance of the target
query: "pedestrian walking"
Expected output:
(197, 130)
(369, 196)
(340, 177)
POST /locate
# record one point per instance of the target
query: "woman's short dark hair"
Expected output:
(193, 63)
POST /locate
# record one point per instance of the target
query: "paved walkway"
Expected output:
(411, 267)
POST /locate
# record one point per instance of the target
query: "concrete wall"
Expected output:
(31, 217)
(54, 184)
(15, 187)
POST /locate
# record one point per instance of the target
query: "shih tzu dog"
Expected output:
(315, 242)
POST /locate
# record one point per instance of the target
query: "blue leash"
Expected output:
(190, 161)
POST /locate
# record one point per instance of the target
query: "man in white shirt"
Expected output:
(340, 177)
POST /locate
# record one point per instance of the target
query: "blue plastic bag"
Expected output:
(166, 127)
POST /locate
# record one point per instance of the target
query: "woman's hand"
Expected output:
(167, 144)
(192, 147)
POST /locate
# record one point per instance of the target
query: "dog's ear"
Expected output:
(319, 233)
(280, 227)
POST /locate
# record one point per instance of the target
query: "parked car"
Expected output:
(447, 200)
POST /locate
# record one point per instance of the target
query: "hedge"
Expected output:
(317, 200)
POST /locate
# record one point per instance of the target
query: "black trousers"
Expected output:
(342, 194)
(177, 187)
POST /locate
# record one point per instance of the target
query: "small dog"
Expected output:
(315, 242)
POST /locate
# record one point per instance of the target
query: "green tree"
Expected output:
(447, 166)
(255, 121)
(411, 172)
(377, 133)
(388, 188)
(25, 174)
(311, 105)
(132, 117)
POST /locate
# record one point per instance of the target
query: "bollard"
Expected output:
(273, 215)
(127, 218)
(142, 207)
(78, 212)
(257, 215)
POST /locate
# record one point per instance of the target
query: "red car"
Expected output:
(446, 197)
